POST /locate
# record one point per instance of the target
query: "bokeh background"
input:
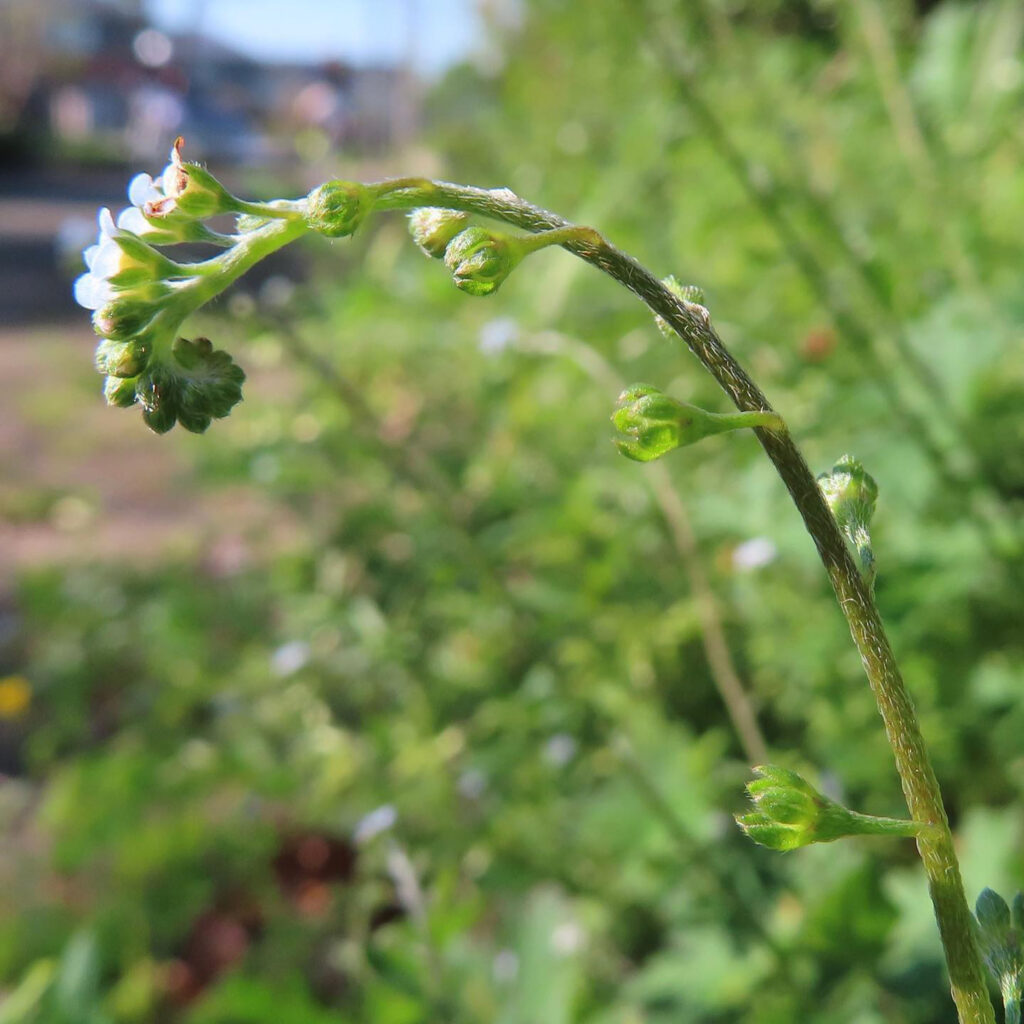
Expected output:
(399, 696)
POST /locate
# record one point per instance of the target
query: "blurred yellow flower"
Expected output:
(15, 696)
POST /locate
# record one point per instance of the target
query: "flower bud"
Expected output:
(337, 208)
(120, 391)
(123, 358)
(480, 259)
(851, 492)
(656, 424)
(789, 813)
(1001, 939)
(190, 190)
(432, 228)
(122, 318)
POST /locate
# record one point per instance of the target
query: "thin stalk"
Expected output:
(738, 705)
(920, 786)
(909, 135)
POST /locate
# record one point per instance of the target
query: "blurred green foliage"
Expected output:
(485, 632)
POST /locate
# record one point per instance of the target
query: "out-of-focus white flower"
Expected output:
(289, 658)
(373, 824)
(567, 938)
(560, 749)
(472, 784)
(754, 554)
(498, 335)
(505, 966)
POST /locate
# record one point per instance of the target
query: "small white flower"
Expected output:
(93, 292)
(143, 189)
(754, 554)
(505, 966)
(560, 749)
(373, 824)
(104, 259)
(289, 658)
(497, 335)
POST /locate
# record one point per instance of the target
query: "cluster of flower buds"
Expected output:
(789, 812)
(655, 424)
(479, 258)
(851, 492)
(140, 296)
(1000, 935)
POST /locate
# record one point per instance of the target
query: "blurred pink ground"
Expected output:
(82, 482)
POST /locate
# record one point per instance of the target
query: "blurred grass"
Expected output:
(479, 616)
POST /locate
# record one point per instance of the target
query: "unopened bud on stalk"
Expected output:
(789, 813)
(1000, 935)
(656, 424)
(480, 259)
(432, 228)
(123, 358)
(189, 191)
(337, 208)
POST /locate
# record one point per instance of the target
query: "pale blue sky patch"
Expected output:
(433, 34)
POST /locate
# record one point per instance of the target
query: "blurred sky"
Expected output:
(434, 33)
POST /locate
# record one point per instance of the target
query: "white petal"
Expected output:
(141, 190)
(106, 222)
(90, 254)
(158, 183)
(92, 292)
(131, 219)
(108, 261)
(168, 176)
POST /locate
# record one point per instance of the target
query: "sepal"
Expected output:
(191, 384)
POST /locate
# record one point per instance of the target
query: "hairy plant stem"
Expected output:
(690, 322)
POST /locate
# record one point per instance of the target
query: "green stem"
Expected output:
(739, 420)
(871, 825)
(920, 786)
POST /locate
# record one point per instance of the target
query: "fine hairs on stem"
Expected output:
(141, 298)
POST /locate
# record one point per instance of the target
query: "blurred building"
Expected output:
(96, 78)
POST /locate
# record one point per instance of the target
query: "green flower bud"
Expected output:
(789, 813)
(1000, 936)
(123, 358)
(851, 493)
(480, 259)
(656, 424)
(123, 318)
(432, 228)
(120, 391)
(190, 191)
(337, 208)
